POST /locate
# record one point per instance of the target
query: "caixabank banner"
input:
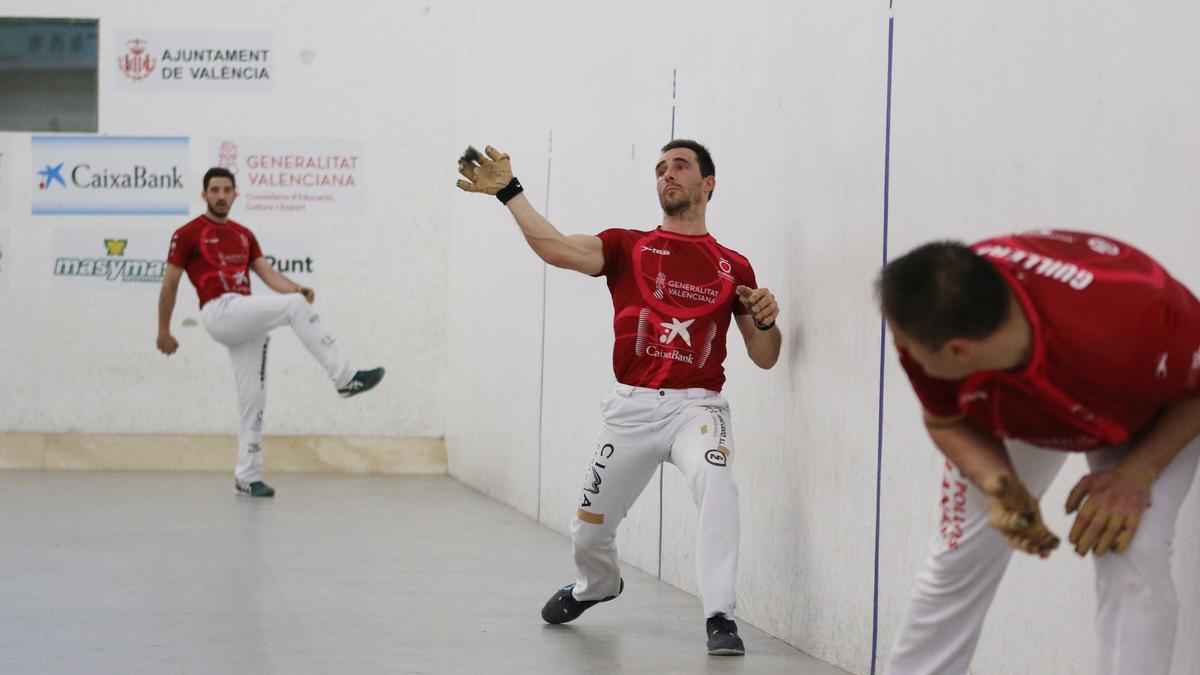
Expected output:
(109, 175)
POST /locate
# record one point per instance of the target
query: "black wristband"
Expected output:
(511, 190)
(763, 326)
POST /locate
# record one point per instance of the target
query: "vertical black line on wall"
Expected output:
(542, 361)
(887, 165)
(661, 500)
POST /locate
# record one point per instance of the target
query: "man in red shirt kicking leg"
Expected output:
(218, 255)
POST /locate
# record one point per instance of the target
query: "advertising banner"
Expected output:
(294, 254)
(194, 61)
(295, 177)
(109, 175)
(118, 259)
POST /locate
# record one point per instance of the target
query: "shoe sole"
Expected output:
(727, 652)
(247, 494)
(351, 394)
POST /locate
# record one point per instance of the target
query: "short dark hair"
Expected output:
(218, 172)
(943, 290)
(707, 168)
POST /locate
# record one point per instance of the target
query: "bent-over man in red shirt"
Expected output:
(1021, 349)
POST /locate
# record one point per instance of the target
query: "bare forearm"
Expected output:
(279, 283)
(976, 454)
(763, 347)
(546, 241)
(166, 307)
(1177, 426)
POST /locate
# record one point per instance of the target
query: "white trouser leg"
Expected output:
(1137, 605)
(233, 319)
(703, 450)
(958, 580)
(250, 373)
(623, 463)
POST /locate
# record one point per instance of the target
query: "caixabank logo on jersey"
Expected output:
(109, 175)
(91, 260)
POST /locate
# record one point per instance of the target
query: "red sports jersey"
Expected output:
(1115, 339)
(216, 256)
(673, 296)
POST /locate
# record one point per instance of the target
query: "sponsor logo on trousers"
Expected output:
(592, 480)
(954, 507)
(718, 456)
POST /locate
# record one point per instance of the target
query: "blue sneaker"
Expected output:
(363, 380)
(563, 607)
(255, 489)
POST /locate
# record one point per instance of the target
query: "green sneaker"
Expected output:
(255, 489)
(363, 380)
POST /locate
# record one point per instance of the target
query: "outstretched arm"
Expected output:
(277, 282)
(491, 173)
(166, 343)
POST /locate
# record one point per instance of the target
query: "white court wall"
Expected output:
(85, 361)
(1005, 117)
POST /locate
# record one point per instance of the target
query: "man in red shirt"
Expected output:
(1020, 348)
(218, 255)
(674, 291)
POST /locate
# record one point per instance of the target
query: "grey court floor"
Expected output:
(172, 573)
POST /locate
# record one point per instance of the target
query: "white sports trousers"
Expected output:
(642, 428)
(242, 323)
(1137, 603)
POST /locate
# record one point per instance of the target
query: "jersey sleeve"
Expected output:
(255, 249)
(939, 397)
(1167, 368)
(745, 278)
(613, 241)
(181, 247)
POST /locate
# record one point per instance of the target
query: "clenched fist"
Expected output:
(167, 344)
(761, 303)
